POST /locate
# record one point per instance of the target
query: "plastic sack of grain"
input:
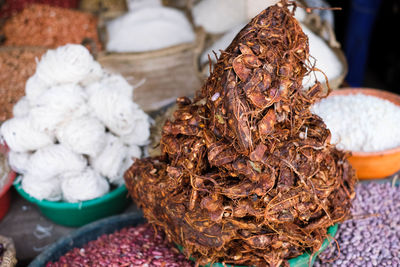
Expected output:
(325, 60)
(83, 185)
(58, 104)
(219, 16)
(84, 135)
(220, 44)
(254, 7)
(51, 161)
(19, 161)
(109, 161)
(21, 136)
(39, 189)
(137, 4)
(67, 64)
(148, 29)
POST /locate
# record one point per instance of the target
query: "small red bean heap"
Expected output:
(134, 246)
(42, 25)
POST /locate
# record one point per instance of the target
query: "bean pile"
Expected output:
(134, 246)
(372, 238)
(42, 25)
(16, 66)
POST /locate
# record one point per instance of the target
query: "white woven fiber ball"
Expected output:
(114, 109)
(84, 185)
(21, 136)
(21, 108)
(51, 161)
(35, 187)
(133, 152)
(109, 161)
(84, 135)
(70, 63)
(58, 104)
(96, 74)
(140, 132)
(19, 161)
(34, 87)
(113, 81)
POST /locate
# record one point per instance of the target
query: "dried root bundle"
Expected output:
(247, 175)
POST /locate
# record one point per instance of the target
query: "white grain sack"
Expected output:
(219, 16)
(324, 58)
(360, 122)
(148, 29)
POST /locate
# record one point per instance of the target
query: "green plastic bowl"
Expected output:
(301, 261)
(81, 213)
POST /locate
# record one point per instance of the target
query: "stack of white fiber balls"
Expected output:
(76, 130)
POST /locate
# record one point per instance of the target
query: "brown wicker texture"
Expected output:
(9, 257)
(168, 73)
(105, 8)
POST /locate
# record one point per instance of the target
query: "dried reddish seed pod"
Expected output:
(247, 175)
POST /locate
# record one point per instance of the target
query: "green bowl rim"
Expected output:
(332, 230)
(66, 205)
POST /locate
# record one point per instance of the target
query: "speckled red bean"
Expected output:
(134, 246)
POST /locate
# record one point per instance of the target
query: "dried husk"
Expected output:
(247, 175)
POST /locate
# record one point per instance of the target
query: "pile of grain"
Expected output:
(360, 122)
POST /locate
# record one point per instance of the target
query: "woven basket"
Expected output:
(168, 73)
(107, 9)
(8, 259)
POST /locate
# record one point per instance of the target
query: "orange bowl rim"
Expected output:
(376, 93)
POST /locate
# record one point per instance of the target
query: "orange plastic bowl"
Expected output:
(374, 165)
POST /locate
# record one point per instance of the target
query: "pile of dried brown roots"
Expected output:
(247, 174)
